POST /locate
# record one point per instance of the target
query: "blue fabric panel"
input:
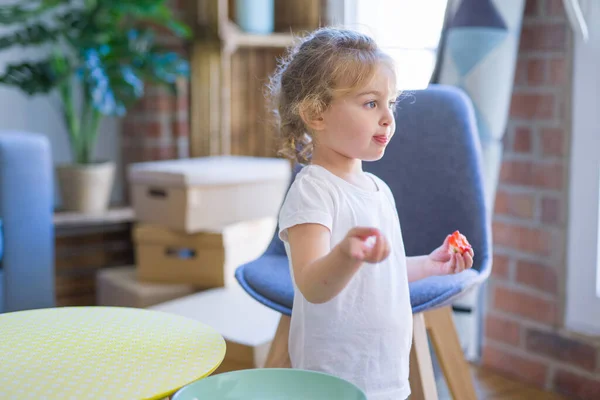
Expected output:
(468, 46)
(1, 291)
(481, 13)
(26, 210)
(1, 247)
(268, 280)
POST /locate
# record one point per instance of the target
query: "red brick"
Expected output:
(548, 176)
(530, 240)
(158, 153)
(159, 102)
(179, 5)
(129, 127)
(544, 36)
(551, 210)
(555, 8)
(517, 172)
(529, 173)
(522, 140)
(553, 141)
(513, 366)
(153, 129)
(576, 386)
(536, 72)
(136, 108)
(557, 71)
(560, 348)
(180, 128)
(183, 103)
(532, 8)
(502, 330)
(500, 266)
(525, 305)
(514, 204)
(142, 129)
(532, 106)
(537, 276)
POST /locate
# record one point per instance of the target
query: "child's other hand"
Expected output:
(446, 261)
(365, 244)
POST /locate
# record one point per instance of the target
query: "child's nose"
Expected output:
(387, 118)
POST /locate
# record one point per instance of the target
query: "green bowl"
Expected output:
(270, 384)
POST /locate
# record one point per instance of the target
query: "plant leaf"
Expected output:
(112, 87)
(31, 77)
(33, 34)
(25, 10)
(111, 47)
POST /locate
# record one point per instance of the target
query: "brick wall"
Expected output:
(157, 128)
(524, 334)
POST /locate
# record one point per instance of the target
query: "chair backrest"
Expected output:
(433, 167)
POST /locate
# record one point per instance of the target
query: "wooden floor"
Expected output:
(491, 386)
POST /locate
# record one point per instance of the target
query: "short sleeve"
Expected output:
(309, 200)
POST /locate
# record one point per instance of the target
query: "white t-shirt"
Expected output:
(364, 334)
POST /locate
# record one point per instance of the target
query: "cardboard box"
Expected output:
(208, 193)
(205, 260)
(247, 326)
(119, 287)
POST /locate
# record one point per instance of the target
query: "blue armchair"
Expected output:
(433, 166)
(26, 226)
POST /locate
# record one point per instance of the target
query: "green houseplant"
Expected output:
(98, 55)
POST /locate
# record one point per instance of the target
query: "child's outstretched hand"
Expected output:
(453, 256)
(365, 244)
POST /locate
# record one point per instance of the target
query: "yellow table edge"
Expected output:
(168, 394)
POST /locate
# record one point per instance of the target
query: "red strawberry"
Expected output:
(459, 243)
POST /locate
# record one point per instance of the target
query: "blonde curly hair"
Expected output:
(327, 63)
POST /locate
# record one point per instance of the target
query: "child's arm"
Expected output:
(441, 261)
(419, 267)
(322, 272)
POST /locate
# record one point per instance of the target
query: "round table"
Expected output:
(103, 353)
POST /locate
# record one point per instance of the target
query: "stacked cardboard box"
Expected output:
(197, 220)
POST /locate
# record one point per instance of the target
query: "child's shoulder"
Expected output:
(310, 198)
(310, 188)
(311, 177)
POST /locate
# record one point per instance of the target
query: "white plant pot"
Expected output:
(86, 188)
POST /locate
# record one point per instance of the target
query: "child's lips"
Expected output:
(381, 139)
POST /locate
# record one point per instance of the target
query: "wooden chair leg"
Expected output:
(279, 356)
(422, 380)
(455, 367)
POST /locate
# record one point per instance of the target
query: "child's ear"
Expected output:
(312, 119)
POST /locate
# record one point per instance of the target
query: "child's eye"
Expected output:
(392, 104)
(371, 104)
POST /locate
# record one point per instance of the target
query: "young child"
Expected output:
(334, 95)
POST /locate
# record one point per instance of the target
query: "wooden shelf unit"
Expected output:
(229, 71)
(85, 244)
(234, 38)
